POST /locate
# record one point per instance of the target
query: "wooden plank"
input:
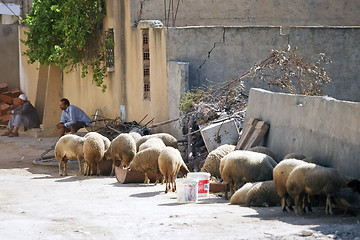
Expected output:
(257, 136)
(250, 127)
(217, 187)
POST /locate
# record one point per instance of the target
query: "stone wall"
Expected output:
(324, 128)
(251, 12)
(9, 55)
(223, 53)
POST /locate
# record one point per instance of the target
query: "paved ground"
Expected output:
(35, 203)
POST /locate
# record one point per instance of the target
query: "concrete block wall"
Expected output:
(322, 127)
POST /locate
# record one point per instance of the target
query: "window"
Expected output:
(146, 63)
(109, 48)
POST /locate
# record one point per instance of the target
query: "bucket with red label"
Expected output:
(204, 182)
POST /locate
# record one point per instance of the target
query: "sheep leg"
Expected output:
(288, 202)
(166, 185)
(147, 180)
(309, 204)
(64, 172)
(113, 168)
(173, 184)
(79, 162)
(226, 192)
(283, 206)
(97, 169)
(328, 209)
(60, 172)
(297, 203)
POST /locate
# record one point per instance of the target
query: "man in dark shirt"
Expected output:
(24, 114)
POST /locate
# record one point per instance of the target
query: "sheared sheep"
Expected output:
(281, 173)
(241, 167)
(267, 151)
(240, 195)
(170, 161)
(69, 147)
(313, 180)
(94, 149)
(107, 142)
(152, 143)
(262, 194)
(165, 137)
(122, 148)
(146, 161)
(212, 162)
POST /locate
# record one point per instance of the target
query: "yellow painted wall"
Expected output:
(125, 83)
(29, 73)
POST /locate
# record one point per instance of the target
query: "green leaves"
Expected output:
(67, 33)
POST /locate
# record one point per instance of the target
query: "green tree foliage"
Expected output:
(67, 33)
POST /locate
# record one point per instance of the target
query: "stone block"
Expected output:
(3, 87)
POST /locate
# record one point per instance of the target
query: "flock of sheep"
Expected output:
(261, 181)
(153, 153)
(256, 177)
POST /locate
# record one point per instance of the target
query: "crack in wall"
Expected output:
(209, 53)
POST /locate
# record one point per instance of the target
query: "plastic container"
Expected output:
(204, 182)
(186, 190)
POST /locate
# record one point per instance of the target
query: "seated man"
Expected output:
(24, 114)
(72, 118)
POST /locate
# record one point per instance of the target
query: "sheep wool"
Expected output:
(280, 174)
(314, 180)
(135, 135)
(123, 149)
(240, 195)
(152, 142)
(245, 166)
(107, 142)
(267, 151)
(262, 194)
(94, 149)
(170, 161)
(69, 147)
(212, 161)
(145, 161)
(168, 139)
(294, 155)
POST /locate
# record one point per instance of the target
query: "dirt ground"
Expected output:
(35, 203)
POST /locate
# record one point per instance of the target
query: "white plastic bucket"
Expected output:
(186, 190)
(204, 182)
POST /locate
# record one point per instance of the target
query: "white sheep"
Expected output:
(241, 167)
(267, 151)
(135, 135)
(170, 162)
(122, 148)
(147, 161)
(313, 180)
(151, 143)
(212, 161)
(240, 195)
(280, 174)
(168, 139)
(262, 194)
(107, 142)
(69, 147)
(94, 149)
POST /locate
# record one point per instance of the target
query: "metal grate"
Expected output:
(109, 48)
(146, 63)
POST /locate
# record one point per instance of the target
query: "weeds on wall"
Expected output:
(284, 68)
(68, 33)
